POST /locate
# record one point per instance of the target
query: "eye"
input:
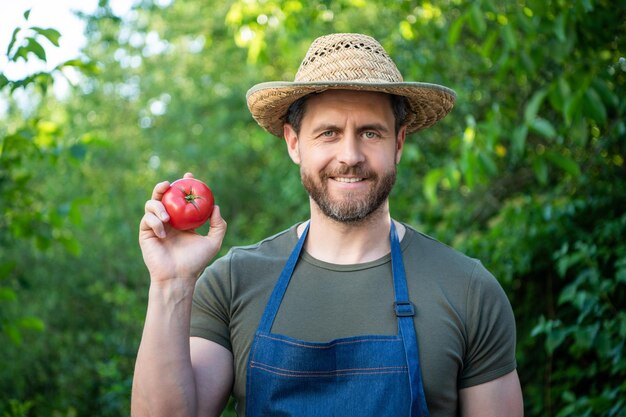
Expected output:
(369, 134)
(328, 134)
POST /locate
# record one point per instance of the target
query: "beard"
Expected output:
(351, 207)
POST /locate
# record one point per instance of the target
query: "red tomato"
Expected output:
(189, 202)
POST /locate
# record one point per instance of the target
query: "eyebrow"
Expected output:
(325, 127)
(372, 126)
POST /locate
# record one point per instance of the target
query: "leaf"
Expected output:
(559, 27)
(585, 336)
(477, 19)
(455, 30)
(93, 140)
(406, 30)
(555, 333)
(559, 93)
(13, 333)
(509, 37)
(528, 62)
(487, 46)
(74, 215)
(608, 97)
(543, 127)
(555, 338)
(31, 46)
(579, 132)
(593, 106)
(72, 63)
(539, 327)
(32, 323)
(21, 52)
(567, 411)
(568, 294)
(469, 166)
(71, 245)
(569, 397)
(35, 47)
(572, 108)
(7, 294)
(453, 175)
(13, 40)
(533, 105)
(518, 140)
(540, 168)
(43, 80)
(6, 268)
(430, 184)
(487, 163)
(4, 81)
(603, 345)
(565, 163)
(52, 35)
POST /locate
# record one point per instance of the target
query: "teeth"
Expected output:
(341, 179)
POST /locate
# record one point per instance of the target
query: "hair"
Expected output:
(399, 106)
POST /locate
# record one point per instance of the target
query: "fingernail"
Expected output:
(162, 234)
(164, 216)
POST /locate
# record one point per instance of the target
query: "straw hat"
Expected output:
(347, 61)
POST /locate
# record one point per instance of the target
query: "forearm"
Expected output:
(164, 383)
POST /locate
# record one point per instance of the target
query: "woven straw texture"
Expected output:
(347, 61)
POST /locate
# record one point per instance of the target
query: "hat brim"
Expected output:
(268, 102)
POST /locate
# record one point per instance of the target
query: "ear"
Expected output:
(400, 143)
(291, 138)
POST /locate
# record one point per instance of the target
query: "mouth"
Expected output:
(347, 179)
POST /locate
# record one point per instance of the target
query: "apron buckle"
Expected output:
(404, 308)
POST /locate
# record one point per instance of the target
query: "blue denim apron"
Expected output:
(372, 375)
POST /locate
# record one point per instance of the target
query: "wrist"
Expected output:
(172, 288)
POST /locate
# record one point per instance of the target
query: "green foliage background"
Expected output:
(527, 174)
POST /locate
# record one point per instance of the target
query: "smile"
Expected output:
(343, 179)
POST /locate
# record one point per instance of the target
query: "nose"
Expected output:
(350, 152)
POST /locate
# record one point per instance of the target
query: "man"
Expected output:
(348, 313)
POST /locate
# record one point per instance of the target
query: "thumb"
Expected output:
(218, 225)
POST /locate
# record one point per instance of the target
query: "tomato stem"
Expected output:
(190, 197)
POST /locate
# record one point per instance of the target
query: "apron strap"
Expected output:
(265, 325)
(405, 311)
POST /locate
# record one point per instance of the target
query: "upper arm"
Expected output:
(501, 397)
(213, 371)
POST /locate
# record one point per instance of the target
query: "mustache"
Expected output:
(354, 171)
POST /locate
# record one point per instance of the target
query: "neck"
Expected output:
(350, 243)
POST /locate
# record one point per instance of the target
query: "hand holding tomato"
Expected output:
(171, 254)
(189, 203)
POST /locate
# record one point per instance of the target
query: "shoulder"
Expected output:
(438, 257)
(441, 270)
(278, 245)
(256, 260)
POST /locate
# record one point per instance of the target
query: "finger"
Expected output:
(150, 222)
(158, 209)
(188, 175)
(159, 189)
(218, 225)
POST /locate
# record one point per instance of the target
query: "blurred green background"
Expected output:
(527, 174)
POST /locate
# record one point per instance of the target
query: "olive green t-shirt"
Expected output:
(464, 322)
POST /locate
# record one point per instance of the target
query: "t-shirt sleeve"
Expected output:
(490, 331)
(210, 310)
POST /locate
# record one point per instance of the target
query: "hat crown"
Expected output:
(347, 57)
